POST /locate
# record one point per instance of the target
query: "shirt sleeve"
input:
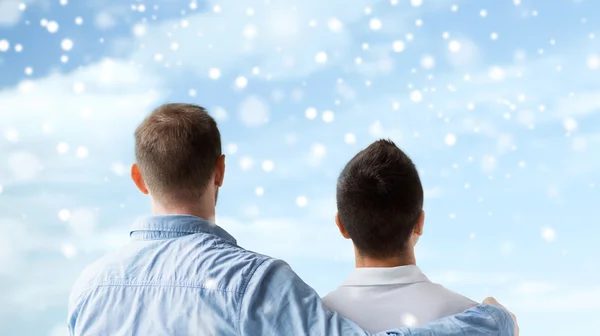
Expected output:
(277, 302)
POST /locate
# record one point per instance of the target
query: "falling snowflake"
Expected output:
(328, 116)
(301, 201)
(321, 57)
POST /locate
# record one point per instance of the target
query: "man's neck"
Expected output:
(404, 259)
(206, 212)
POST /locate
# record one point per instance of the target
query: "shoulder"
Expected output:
(334, 299)
(451, 301)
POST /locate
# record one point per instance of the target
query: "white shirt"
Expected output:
(383, 298)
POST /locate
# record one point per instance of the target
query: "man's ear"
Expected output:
(220, 171)
(137, 178)
(420, 224)
(341, 226)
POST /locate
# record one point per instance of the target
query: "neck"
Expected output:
(404, 259)
(202, 210)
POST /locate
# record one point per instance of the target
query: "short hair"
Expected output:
(177, 147)
(380, 199)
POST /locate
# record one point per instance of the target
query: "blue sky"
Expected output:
(496, 101)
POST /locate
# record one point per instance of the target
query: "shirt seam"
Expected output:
(153, 284)
(244, 289)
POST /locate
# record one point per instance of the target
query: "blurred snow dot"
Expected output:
(246, 163)
(427, 62)
(593, 62)
(82, 152)
(220, 113)
(350, 138)
(483, 13)
(259, 191)
(450, 139)
(66, 44)
(214, 73)
(321, 57)
(64, 215)
(18, 48)
(52, 26)
(12, 135)
(375, 24)
(416, 96)
(488, 163)
(118, 168)
(64, 58)
(79, 87)
(68, 250)
(472, 236)
(416, 3)
(570, 124)
(62, 147)
(241, 82)
(409, 320)
(139, 30)
(419, 23)
(253, 112)
(454, 46)
(517, 2)
(4, 45)
(78, 20)
(250, 31)
(548, 234)
(24, 166)
(494, 36)
(311, 113)
(328, 116)
(29, 71)
(174, 46)
(211, 283)
(1, 189)
(334, 25)
(192, 93)
(398, 46)
(231, 148)
(268, 165)
(317, 154)
(301, 201)
(497, 73)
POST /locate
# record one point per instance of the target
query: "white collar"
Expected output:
(372, 276)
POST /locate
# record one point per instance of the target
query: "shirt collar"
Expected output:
(179, 224)
(372, 276)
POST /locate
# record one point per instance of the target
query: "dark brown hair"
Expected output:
(177, 147)
(380, 199)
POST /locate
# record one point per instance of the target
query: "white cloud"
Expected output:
(528, 288)
(10, 12)
(286, 238)
(550, 300)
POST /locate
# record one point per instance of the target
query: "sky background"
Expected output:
(496, 101)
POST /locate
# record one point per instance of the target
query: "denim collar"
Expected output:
(180, 225)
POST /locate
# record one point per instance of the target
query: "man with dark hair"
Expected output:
(380, 207)
(181, 274)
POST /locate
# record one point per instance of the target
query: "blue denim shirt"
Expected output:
(182, 275)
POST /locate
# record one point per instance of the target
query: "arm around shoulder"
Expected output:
(277, 302)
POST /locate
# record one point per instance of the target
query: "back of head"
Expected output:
(177, 147)
(379, 200)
